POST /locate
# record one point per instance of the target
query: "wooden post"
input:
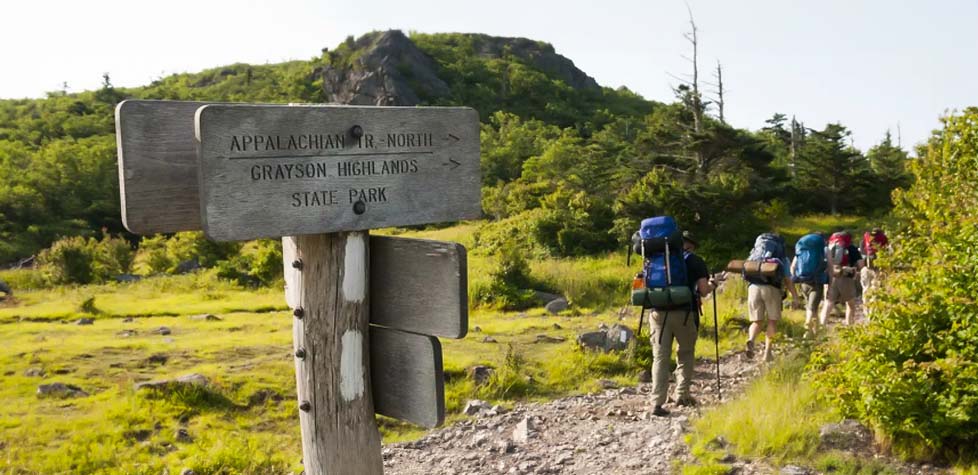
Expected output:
(326, 285)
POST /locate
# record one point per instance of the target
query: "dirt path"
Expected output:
(611, 432)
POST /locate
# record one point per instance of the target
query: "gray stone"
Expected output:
(795, 470)
(206, 317)
(60, 390)
(607, 384)
(193, 379)
(645, 376)
(187, 471)
(549, 339)
(35, 372)
(616, 338)
(556, 326)
(488, 339)
(592, 340)
(523, 431)
(182, 435)
(545, 297)
(475, 406)
(124, 278)
(480, 374)
(128, 320)
(556, 306)
(126, 333)
(157, 358)
(85, 321)
(717, 443)
(163, 331)
(849, 435)
(477, 329)
(619, 337)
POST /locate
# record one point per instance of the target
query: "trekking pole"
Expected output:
(716, 340)
(641, 317)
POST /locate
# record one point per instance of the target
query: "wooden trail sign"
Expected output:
(288, 170)
(157, 165)
(407, 377)
(395, 166)
(419, 286)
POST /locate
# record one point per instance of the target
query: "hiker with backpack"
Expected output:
(844, 262)
(873, 242)
(765, 292)
(672, 281)
(809, 270)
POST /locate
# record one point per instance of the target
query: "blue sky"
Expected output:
(872, 65)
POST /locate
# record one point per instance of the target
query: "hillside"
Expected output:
(57, 155)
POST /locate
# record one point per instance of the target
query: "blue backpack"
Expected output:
(661, 246)
(768, 247)
(809, 260)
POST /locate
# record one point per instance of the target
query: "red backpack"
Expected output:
(838, 251)
(873, 242)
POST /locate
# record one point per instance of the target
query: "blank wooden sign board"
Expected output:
(278, 170)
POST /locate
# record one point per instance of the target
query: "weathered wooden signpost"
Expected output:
(367, 309)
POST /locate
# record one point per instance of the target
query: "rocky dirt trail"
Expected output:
(612, 432)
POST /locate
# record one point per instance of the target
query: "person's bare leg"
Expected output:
(850, 312)
(772, 327)
(827, 306)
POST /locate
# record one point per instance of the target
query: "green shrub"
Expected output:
(510, 285)
(162, 255)
(913, 372)
(259, 263)
(79, 260)
(113, 256)
(152, 257)
(68, 261)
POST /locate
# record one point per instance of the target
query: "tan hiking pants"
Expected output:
(666, 326)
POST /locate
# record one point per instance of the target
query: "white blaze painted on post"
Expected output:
(351, 365)
(355, 268)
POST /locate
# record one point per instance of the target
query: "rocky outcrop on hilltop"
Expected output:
(388, 69)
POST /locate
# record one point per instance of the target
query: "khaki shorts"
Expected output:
(813, 296)
(764, 301)
(842, 289)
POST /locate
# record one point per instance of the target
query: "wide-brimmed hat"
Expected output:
(688, 236)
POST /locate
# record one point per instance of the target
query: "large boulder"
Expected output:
(616, 338)
(389, 71)
(558, 305)
(480, 374)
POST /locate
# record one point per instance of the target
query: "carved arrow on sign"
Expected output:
(452, 163)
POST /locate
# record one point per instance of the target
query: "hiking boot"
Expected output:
(659, 412)
(768, 356)
(750, 349)
(686, 401)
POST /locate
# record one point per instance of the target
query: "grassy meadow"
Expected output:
(246, 421)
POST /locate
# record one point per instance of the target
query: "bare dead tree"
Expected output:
(695, 83)
(719, 85)
(795, 142)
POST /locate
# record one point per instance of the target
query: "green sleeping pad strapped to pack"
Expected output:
(662, 298)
